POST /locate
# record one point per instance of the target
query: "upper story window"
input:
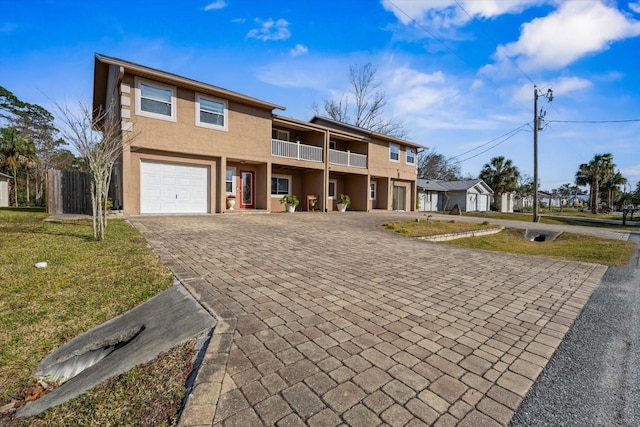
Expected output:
(211, 112)
(394, 152)
(155, 100)
(411, 156)
(281, 135)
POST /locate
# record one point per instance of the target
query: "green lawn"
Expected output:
(563, 218)
(85, 283)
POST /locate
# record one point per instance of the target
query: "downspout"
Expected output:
(325, 181)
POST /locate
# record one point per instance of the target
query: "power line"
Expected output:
(593, 121)
(494, 41)
(414, 21)
(492, 147)
(494, 139)
(418, 24)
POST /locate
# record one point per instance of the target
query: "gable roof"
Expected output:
(431, 184)
(101, 73)
(461, 185)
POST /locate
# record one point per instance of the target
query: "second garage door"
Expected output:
(173, 188)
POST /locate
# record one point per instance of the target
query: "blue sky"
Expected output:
(459, 74)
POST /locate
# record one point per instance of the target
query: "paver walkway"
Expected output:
(324, 320)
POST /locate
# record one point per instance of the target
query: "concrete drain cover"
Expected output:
(135, 337)
(541, 235)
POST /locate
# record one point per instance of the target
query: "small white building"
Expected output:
(472, 195)
(508, 202)
(4, 189)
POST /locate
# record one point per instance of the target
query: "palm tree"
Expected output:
(16, 150)
(502, 176)
(593, 174)
(611, 183)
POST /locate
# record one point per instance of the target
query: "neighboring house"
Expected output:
(198, 144)
(545, 199)
(4, 189)
(429, 192)
(472, 195)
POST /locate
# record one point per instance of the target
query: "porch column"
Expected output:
(219, 191)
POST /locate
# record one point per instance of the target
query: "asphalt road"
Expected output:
(594, 377)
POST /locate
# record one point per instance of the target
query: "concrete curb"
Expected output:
(460, 235)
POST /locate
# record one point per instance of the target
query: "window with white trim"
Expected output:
(332, 145)
(230, 181)
(333, 184)
(155, 100)
(211, 112)
(372, 190)
(394, 152)
(280, 185)
(281, 135)
(411, 156)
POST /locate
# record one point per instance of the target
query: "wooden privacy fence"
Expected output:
(68, 192)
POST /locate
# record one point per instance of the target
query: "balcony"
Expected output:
(296, 150)
(347, 158)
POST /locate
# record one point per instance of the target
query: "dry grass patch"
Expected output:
(568, 246)
(426, 227)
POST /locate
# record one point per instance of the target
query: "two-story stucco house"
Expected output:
(198, 145)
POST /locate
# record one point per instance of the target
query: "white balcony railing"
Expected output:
(296, 150)
(347, 158)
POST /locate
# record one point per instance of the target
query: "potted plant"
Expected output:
(290, 201)
(231, 201)
(344, 203)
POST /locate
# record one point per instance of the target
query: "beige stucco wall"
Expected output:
(246, 145)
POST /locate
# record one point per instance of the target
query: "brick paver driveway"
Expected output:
(325, 320)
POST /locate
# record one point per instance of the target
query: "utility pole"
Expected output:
(537, 125)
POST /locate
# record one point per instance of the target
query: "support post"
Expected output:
(536, 218)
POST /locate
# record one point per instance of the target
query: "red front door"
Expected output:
(247, 183)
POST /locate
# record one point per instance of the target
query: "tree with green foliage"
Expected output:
(37, 124)
(610, 185)
(592, 174)
(502, 176)
(16, 150)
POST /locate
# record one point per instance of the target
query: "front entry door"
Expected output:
(398, 198)
(247, 179)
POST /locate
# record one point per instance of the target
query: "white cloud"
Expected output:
(565, 85)
(562, 87)
(271, 30)
(635, 6)
(447, 13)
(412, 92)
(218, 4)
(576, 29)
(298, 50)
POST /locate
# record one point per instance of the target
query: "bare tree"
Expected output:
(364, 107)
(99, 140)
(432, 165)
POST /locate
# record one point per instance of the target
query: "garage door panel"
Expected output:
(173, 188)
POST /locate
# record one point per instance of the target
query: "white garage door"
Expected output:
(173, 188)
